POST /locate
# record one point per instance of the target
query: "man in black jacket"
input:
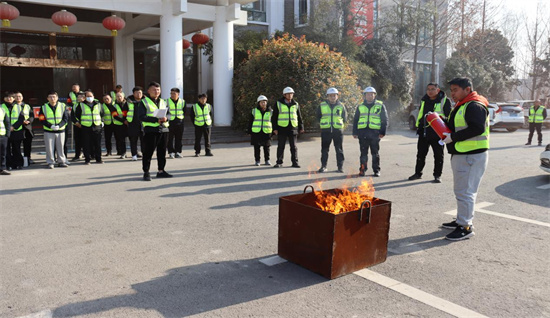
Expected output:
(5, 129)
(14, 112)
(89, 118)
(332, 116)
(28, 113)
(155, 129)
(287, 124)
(135, 131)
(435, 101)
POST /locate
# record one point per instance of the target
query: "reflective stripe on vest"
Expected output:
(53, 118)
(261, 123)
(107, 117)
(437, 109)
(130, 113)
(150, 106)
(2, 126)
(13, 114)
(26, 111)
(536, 116)
(331, 118)
(118, 113)
(287, 115)
(370, 117)
(90, 115)
(474, 143)
(176, 110)
(202, 116)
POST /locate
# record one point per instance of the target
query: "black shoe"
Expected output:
(376, 174)
(460, 233)
(107, 154)
(62, 165)
(209, 154)
(18, 168)
(4, 173)
(295, 165)
(75, 159)
(99, 161)
(361, 173)
(415, 176)
(322, 169)
(437, 180)
(31, 162)
(340, 169)
(278, 165)
(528, 143)
(197, 155)
(540, 144)
(139, 155)
(146, 176)
(451, 225)
(87, 163)
(163, 174)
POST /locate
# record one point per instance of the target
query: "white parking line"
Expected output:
(479, 208)
(43, 314)
(417, 294)
(273, 260)
(544, 187)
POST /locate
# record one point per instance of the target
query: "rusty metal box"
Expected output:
(329, 244)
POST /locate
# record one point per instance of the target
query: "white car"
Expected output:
(506, 115)
(545, 159)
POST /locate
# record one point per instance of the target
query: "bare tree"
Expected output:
(537, 33)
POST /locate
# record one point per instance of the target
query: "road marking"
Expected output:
(273, 260)
(544, 187)
(43, 314)
(479, 208)
(417, 294)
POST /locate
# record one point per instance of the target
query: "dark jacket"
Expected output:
(259, 138)
(344, 114)
(476, 114)
(429, 104)
(78, 114)
(134, 127)
(289, 128)
(367, 132)
(7, 124)
(15, 135)
(142, 115)
(28, 126)
(63, 122)
(192, 115)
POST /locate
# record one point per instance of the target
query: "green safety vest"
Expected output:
(53, 118)
(474, 143)
(287, 115)
(437, 109)
(151, 107)
(14, 114)
(2, 126)
(73, 97)
(202, 116)
(26, 111)
(261, 123)
(130, 113)
(107, 117)
(332, 118)
(113, 95)
(536, 116)
(119, 113)
(90, 116)
(370, 117)
(176, 110)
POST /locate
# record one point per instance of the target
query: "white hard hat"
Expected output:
(288, 90)
(369, 89)
(261, 98)
(332, 90)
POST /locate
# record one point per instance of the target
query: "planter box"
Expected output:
(329, 244)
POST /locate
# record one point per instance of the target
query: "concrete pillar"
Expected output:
(131, 78)
(223, 68)
(171, 51)
(120, 62)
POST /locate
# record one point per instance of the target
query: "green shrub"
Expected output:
(309, 68)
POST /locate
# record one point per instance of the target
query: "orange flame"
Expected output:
(344, 200)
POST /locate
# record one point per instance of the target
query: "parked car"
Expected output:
(545, 159)
(412, 117)
(525, 105)
(506, 115)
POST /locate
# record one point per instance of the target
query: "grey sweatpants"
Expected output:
(54, 141)
(467, 173)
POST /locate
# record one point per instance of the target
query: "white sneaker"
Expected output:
(172, 155)
(178, 155)
(134, 158)
(268, 163)
(257, 163)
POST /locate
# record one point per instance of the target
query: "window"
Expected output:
(301, 12)
(255, 11)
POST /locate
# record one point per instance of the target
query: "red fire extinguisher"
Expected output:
(437, 124)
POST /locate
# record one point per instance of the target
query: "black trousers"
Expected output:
(27, 144)
(257, 152)
(201, 131)
(77, 135)
(281, 143)
(175, 137)
(120, 132)
(13, 155)
(366, 143)
(152, 141)
(423, 146)
(532, 128)
(109, 131)
(327, 137)
(91, 144)
(3, 152)
(133, 144)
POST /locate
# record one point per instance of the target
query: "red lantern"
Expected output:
(200, 39)
(114, 24)
(186, 44)
(8, 13)
(65, 19)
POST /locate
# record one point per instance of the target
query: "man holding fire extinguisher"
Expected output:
(467, 143)
(435, 101)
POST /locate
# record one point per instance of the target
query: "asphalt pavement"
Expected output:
(97, 241)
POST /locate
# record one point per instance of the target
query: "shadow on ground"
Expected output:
(525, 190)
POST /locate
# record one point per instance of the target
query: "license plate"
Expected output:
(513, 115)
